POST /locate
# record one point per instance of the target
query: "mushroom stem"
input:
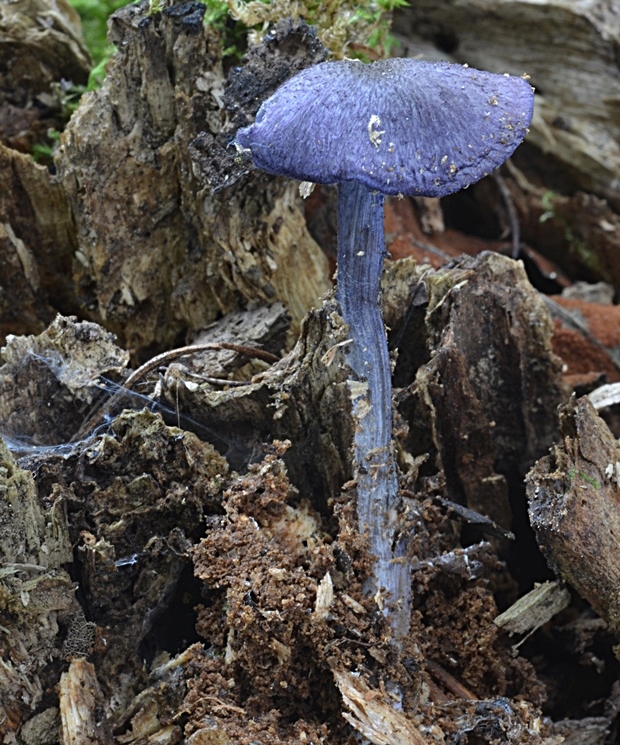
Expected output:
(361, 250)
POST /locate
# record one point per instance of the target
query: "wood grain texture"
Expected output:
(164, 247)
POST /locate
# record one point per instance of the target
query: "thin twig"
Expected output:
(165, 357)
(449, 682)
(513, 217)
(259, 354)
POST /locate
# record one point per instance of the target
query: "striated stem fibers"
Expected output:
(361, 250)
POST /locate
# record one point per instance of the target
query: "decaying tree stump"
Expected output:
(139, 233)
(164, 248)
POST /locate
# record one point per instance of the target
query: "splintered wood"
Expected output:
(373, 714)
(534, 609)
(80, 707)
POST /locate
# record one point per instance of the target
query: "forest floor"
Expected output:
(179, 552)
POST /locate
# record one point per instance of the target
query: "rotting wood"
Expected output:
(41, 49)
(164, 248)
(574, 496)
(37, 241)
(138, 493)
(42, 729)
(35, 591)
(294, 399)
(119, 484)
(64, 366)
(587, 731)
(534, 609)
(373, 714)
(605, 396)
(492, 345)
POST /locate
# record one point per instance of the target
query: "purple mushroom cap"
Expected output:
(398, 126)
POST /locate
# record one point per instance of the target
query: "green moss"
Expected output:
(68, 96)
(546, 203)
(573, 474)
(346, 27)
(554, 208)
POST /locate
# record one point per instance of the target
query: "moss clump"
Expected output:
(344, 26)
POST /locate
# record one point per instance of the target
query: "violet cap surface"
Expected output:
(400, 126)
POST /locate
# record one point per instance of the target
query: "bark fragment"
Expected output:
(295, 399)
(534, 609)
(487, 356)
(136, 510)
(49, 382)
(81, 707)
(375, 719)
(37, 241)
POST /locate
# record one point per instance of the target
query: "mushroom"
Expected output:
(396, 126)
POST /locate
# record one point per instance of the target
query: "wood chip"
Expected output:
(372, 716)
